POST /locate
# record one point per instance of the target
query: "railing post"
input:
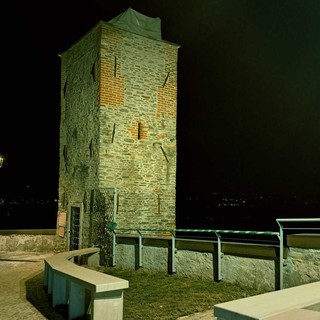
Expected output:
(114, 240)
(140, 249)
(173, 253)
(281, 258)
(217, 256)
(279, 283)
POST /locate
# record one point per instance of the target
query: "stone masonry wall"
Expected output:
(117, 130)
(138, 100)
(302, 266)
(79, 131)
(27, 242)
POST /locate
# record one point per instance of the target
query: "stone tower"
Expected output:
(117, 132)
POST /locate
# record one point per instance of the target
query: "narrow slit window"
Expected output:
(165, 80)
(90, 149)
(64, 90)
(115, 67)
(139, 130)
(65, 157)
(93, 72)
(113, 132)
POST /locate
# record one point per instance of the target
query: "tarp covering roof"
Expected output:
(134, 21)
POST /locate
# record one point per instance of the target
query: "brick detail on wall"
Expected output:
(138, 130)
(167, 91)
(111, 83)
(166, 99)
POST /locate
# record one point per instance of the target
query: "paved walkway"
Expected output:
(15, 270)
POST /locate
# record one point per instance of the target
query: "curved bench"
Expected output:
(85, 291)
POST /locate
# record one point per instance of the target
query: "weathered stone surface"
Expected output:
(302, 266)
(118, 131)
(28, 243)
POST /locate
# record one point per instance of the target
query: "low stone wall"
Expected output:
(28, 240)
(253, 266)
(302, 266)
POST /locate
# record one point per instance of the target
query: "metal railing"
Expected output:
(217, 242)
(281, 223)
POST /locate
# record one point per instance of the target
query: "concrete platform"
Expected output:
(15, 269)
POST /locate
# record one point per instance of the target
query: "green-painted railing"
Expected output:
(112, 227)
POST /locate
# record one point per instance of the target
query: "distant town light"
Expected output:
(1, 160)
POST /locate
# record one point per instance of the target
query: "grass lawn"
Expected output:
(151, 295)
(157, 295)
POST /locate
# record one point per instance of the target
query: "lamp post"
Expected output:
(1, 160)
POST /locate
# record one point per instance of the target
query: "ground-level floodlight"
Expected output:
(1, 160)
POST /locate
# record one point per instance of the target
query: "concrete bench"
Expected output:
(85, 291)
(291, 303)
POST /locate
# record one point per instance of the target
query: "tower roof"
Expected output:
(134, 21)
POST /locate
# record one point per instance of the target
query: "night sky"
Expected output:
(248, 91)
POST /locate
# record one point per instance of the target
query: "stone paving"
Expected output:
(207, 315)
(15, 269)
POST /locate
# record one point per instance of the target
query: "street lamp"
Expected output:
(1, 160)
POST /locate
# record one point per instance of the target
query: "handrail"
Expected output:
(217, 243)
(113, 228)
(251, 232)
